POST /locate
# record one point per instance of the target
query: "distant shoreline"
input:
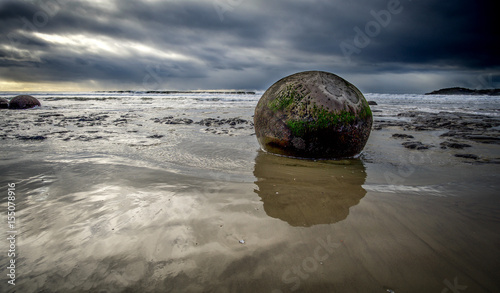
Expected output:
(225, 92)
(465, 91)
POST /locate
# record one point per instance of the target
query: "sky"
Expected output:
(381, 46)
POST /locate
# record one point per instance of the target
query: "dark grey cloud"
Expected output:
(458, 33)
(404, 46)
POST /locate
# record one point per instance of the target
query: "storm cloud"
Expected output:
(391, 46)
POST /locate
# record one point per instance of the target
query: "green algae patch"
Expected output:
(298, 127)
(366, 111)
(286, 98)
(321, 119)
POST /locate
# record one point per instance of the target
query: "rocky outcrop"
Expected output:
(465, 91)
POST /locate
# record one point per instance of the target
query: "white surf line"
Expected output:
(412, 189)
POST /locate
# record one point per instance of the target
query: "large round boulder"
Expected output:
(313, 114)
(4, 104)
(23, 102)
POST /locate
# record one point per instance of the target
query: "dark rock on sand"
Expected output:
(416, 145)
(463, 126)
(36, 137)
(88, 138)
(226, 126)
(23, 102)
(313, 114)
(4, 104)
(220, 126)
(372, 103)
(467, 156)
(491, 138)
(220, 122)
(172, 120)
(45, 115)
(483, 138)
(454, 145)
(182, 121)
(400, 135)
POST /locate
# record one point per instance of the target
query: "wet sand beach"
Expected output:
(110, 199)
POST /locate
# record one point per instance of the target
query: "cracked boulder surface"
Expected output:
(313, 114)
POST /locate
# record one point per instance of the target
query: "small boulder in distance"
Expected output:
(4, 104)
(23, 102)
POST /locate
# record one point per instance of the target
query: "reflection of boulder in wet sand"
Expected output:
(306, 193)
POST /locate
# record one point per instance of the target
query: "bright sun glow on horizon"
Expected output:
(10, 86)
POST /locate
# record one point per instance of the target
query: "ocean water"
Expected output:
(155, 192)
(392, 103)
